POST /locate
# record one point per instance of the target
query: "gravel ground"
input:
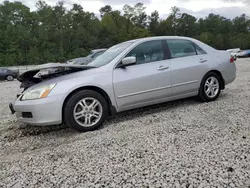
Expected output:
(183, 144)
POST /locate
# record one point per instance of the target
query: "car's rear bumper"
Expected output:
(40, 112)
(229, 75)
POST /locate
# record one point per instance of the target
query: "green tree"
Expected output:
(54, 33)
(174, 18)
(187, 25)
(154, 22)
(105, 9)
(136, 14)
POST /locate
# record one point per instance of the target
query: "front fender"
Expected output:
(102, 81)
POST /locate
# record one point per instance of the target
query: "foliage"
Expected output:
(53, 33)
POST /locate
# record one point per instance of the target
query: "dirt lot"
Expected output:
(183, 143)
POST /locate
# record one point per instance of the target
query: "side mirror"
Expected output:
(128, 61)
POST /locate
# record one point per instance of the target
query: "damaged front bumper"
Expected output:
(43, 111)
(11, 108)
(11, 105)
(40, 112)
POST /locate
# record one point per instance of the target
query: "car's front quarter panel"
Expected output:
(102, 80)
(48, 111)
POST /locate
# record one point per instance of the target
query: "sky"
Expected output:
(198, 8)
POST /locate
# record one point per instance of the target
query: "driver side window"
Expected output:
(147, 52)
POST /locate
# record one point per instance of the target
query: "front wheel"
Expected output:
(85, 110)
(210, 88)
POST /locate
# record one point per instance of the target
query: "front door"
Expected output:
(146, 82)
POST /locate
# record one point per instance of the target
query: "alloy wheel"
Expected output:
(88, 112)
(212, 87)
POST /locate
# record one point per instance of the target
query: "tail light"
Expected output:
(232, 60)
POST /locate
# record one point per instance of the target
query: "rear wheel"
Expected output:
(9, 78)
(85, 110)
(210, 88)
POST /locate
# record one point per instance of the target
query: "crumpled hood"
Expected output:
(51, 67)
(48, 71)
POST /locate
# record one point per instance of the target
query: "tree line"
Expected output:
(55, 34)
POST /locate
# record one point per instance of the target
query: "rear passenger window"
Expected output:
(199, 50)
(181, 48)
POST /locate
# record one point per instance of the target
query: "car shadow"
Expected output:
(157, 108)
(152, 109)
(29, 130)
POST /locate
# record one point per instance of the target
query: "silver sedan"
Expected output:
(129, 75)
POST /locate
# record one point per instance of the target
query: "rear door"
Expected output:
(146, 82)
(189, 65)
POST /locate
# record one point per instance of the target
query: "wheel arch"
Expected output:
(220, 76)
(112, 109)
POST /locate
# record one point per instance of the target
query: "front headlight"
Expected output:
(39, 92)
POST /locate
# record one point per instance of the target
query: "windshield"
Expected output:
(110, 54)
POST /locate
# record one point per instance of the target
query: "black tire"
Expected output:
(72, 102)
(9, 78)
(202, 94)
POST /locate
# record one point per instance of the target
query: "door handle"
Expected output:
(161, 68)
(202, 61)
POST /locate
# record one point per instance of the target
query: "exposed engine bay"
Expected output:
(46, 72)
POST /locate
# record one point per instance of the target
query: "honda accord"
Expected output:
(129, 75)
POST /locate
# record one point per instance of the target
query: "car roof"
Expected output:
(160, 38)
(157, 38)
(206, 47)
